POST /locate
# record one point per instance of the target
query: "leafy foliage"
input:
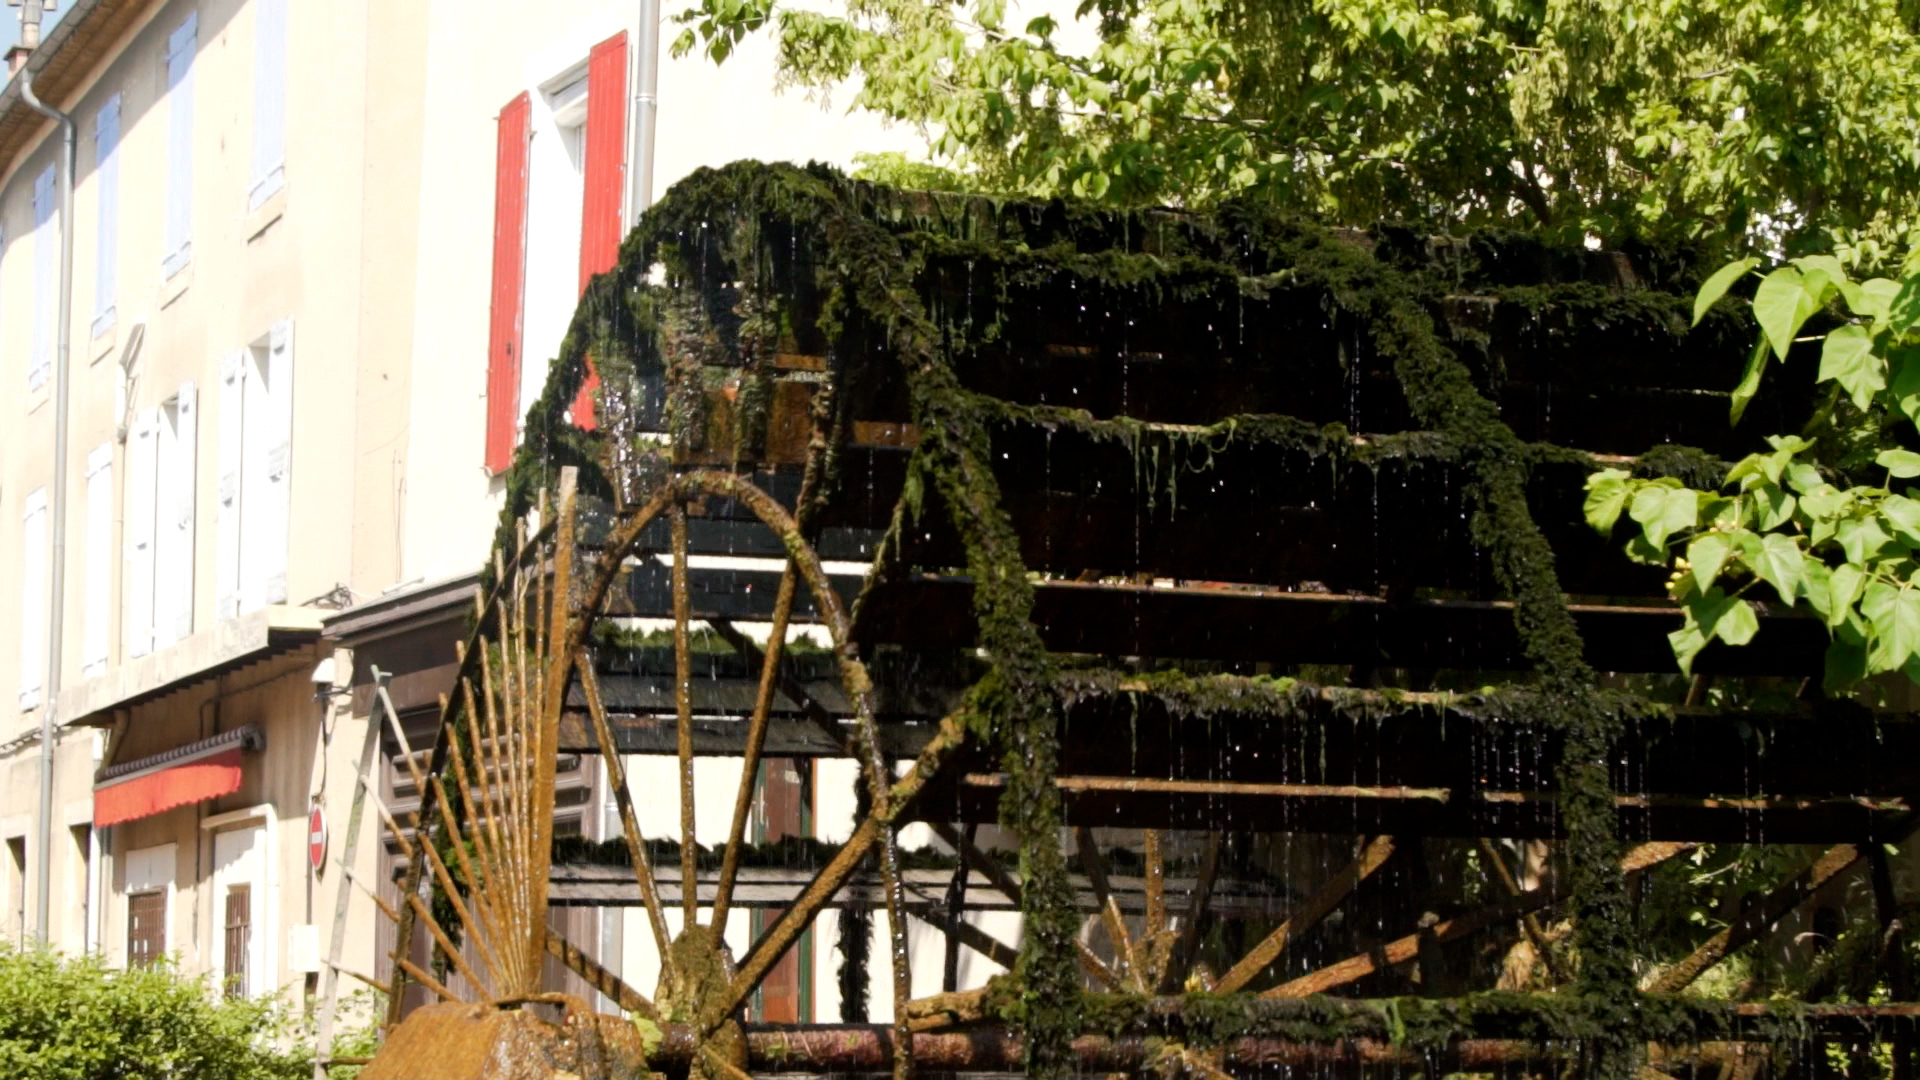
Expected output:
(73, 1019)
(1843, 553)
(1628, 119)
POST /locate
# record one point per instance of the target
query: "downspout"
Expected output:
(57, 613)
(646, 107)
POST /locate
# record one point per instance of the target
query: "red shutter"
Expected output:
(606, 180)
(509, 283)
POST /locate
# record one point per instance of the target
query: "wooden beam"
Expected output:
(1375, 853)
(1404, 949)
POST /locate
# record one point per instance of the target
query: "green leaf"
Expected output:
(1901, 463)
(1862, 539)
(1843, 589)
(1818, 587)
(1782, 565)
(1718, 615)
(1607, 492)
(1821, 275)
(1707, 554)
(1876, 298)
(1749, 382)
(1663, 511)
(1773, 506)
(1846, 665)
(1906, 381)
(1847, 357)
(1716, 286)
(1903, 311)
(1803, 478)
(1895, 617)
(1781, 304)
(1737, 623)
(1902, 516)
(1751, 465)
(1687, 643)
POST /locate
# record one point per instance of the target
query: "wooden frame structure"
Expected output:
(1168, 478)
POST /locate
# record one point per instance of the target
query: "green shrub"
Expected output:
(65, 1018)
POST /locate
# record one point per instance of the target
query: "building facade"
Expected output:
(322, 254)
(235, 391)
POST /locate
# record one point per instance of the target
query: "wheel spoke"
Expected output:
(683, 709)
(629, 821)
(1126, 955)
(756, 739)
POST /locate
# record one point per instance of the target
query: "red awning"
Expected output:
(193, 773)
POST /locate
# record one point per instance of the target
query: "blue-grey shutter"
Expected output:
(181, 46)
(33, 597)
(46, 262)
(269, 100)
(106, 186)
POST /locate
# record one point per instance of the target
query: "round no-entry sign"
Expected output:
(317, 839)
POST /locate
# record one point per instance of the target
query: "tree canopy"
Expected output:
(1790, 124)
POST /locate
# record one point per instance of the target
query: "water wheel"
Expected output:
(480, 860)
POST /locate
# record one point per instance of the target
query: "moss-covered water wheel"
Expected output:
(1161, 540)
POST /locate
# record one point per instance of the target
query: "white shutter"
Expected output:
(181, 46)
(106, 186)
(33, 597)
(173, 514)
(136, 583)
(269, 100)
(46, 262)
(274, 526)
(226, 567)
(99, 567)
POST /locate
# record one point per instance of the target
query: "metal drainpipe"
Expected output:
(56, 616)
(646, 107)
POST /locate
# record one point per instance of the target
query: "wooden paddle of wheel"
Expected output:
(483, 832)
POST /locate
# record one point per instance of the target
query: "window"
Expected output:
(17, 888)
(173, 519)
(269, 100)
(256, 457)
(82, 907)
(239, 860)
(239, 938)
(149, 889)
(146, 927)
(46, 265)
(158, 584)
(106, 186)
(181, 45)
(158, 587)
(33, 597)
(99, 565)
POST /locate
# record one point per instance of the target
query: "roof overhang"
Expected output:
(62, 66)
(403, 610)
(235, 643)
